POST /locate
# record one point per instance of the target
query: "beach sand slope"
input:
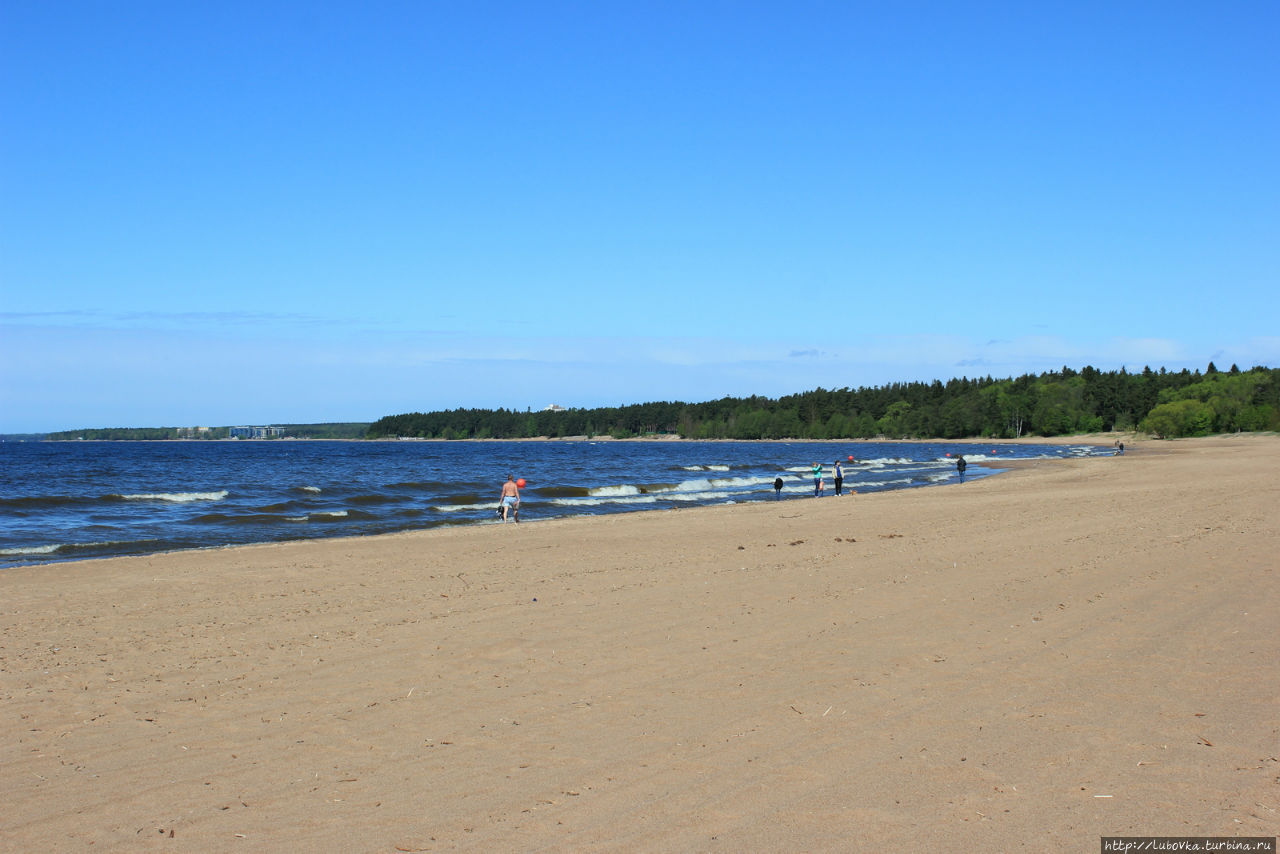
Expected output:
(1073, 649)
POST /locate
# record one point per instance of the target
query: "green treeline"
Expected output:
(332, 430)
(1057, 403)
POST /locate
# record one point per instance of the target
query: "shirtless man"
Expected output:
(510, 498)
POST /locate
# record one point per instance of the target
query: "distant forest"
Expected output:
(1057, 403)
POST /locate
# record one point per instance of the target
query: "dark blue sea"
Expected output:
(75, 500)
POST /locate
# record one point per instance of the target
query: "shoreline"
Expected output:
(1082, 438)
(52, 554)
(1079, 648)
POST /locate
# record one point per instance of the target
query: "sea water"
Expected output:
(75, 500)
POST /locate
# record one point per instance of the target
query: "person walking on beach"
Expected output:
(509, 498)
(817, 479)
(839, 478)
(777, 487)
(960, 464)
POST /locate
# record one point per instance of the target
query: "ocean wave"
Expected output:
(561, 491)
(280, 507)
(469, 507)
(691, 486)
(277, 518)
(882, 462)
(378, 498)
(871, 484)
(743, 482)
(68, 548)
(687, 493)
(695, 486)
(712, 495)
(613, 491)
(652, 488)
(44, 502)
(239, 518)
(29, 550)
(175, 497)
(633, 498)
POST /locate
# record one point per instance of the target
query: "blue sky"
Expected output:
(233, 212)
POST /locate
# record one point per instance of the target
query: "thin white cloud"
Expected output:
(28, 316)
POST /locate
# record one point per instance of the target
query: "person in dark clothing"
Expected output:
(839, 478)
(960, 464)
(777, 487)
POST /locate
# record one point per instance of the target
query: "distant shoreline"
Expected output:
(1078, 439)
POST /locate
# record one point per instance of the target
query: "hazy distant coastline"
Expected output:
(1057, 403)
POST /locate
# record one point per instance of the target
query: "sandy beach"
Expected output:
(1073, 649)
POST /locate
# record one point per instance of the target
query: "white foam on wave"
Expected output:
(729, 490)
(46, 550)
(701, 496)
(327, 514)
(613, 491)
(699, 485)
(177, 497)
(741, 481)
(881, 462)
(30, 550)
(309, 488)
(636, 498)
(862, 484)
(463, 508)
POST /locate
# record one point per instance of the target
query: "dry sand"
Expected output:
(1021, 663)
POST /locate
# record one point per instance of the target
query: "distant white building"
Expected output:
(256, 432)
(555, 407)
